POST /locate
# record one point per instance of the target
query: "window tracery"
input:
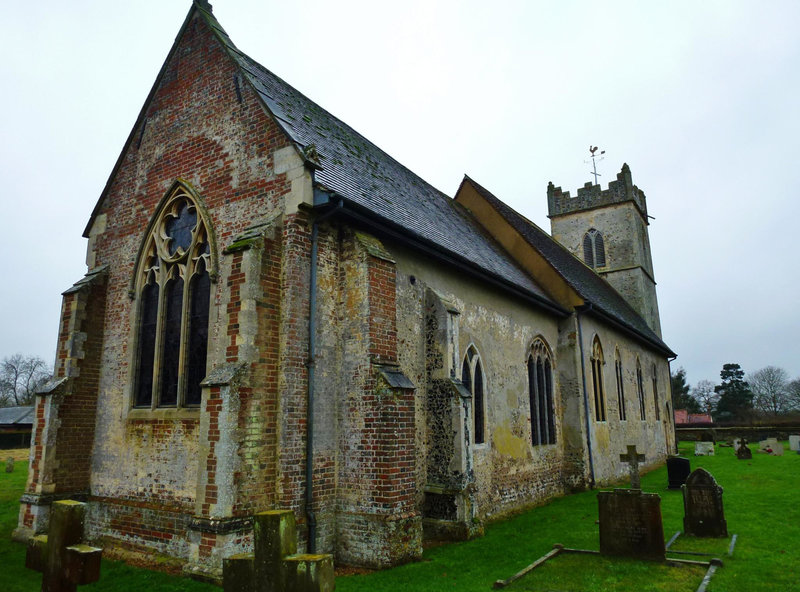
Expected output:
(594, 250)
(174, 285)
(540, 393)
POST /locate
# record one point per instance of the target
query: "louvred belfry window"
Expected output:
(173, 287)
(594, 250)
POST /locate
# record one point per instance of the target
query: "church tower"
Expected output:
(607, 230)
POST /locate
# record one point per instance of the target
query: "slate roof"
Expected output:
(16, 416)
(364, 175)
(584, 280)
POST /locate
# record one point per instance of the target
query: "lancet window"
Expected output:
(173, 287)
(655, 393)
(472, 378)
(640, 390)
(623, 416)
(540, 392)
(597, 381)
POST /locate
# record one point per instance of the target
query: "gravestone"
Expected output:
(743, 451)
(678, 469)
(777, 450)
(630, 524)
(704, 449)
(737, 442)
(768, 445)
(65, 563)
(274, 565)
(704, 515)
(794, 442)
(633, 459)
(10, 464)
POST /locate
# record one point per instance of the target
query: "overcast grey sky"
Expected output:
(699, 98)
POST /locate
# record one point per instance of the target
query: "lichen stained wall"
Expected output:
(196, 128)
(509, 472)
(652, 437)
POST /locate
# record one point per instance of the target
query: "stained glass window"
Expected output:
(173, 320)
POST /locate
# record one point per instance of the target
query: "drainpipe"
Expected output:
(586, 307)
(312, 354)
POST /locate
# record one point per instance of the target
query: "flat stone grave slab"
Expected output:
(678, 469)
(704, 449)
(630, 524)
(704, 515)
(794, 442)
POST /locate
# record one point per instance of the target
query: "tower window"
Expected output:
(594, 251)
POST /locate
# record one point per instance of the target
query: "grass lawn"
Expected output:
(761, 506)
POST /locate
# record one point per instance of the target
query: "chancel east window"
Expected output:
(472, 378)
(173, 288)
(540, 392)
(594, 251)
(597, 381)
(623, 416)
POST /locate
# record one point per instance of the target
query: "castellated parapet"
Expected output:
(594, 196)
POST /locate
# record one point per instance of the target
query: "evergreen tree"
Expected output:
(735, 397)
(681, 399)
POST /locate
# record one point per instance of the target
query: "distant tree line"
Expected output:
(767, 393)
(20, 377)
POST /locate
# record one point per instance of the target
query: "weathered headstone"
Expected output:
(274, 565)
(777, 450)
(678, 469)
(704, 449)
(768, 445)
(704, 515)
(65, 563)
(794, 442)
(633, 459)
(10, 464)
(737, 442)
(630, 524)
(743, 450)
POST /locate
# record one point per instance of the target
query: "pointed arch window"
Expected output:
(623, 415)
(173, 285)
(472, 378)
(594, 250)
(655, 393)
(640, 390)
(597, 381)
(540, 393)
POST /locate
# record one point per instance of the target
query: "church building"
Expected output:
(277, 314)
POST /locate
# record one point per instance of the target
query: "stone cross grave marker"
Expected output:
(633, 459)
(10, 464)
(794, 442)
(65, 563)
(704, 449)
(743, 452)
(704, 515)
(274, 565)
(630, 524)
(678, 469)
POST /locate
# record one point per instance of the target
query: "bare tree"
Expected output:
(769, 385)
(793, 394)
(20, 376)
(704, 392)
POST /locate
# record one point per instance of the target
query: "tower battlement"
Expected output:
(592, 196)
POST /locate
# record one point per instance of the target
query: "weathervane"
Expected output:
(592, 150)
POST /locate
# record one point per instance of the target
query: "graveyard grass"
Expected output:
(760, 502)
